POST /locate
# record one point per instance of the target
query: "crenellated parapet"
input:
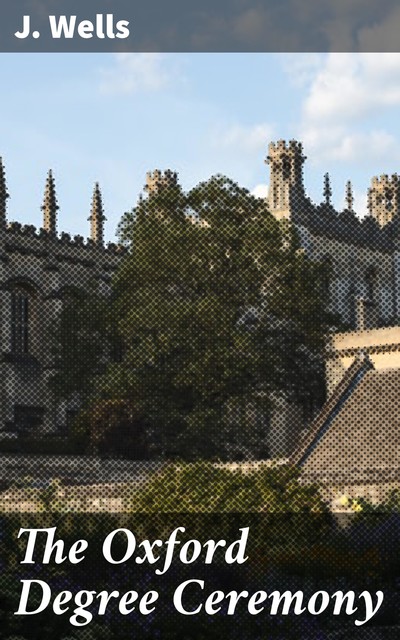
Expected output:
(292, 146)
(287, 199)
(27, 238)
(384, 198)
(17, 231)
(157, 181)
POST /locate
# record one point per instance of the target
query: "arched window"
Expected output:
(286, 168)
(20, 316)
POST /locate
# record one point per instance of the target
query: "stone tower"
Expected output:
(97, 217)
(50, 206)
(286, 188)
(157, 181)
(384, 198)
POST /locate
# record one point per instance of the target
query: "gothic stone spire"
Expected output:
(97, 217)
(50, 206)
(327, 189)
(349, 196)
(3, 194)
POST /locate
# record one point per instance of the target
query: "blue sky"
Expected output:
(111, 118)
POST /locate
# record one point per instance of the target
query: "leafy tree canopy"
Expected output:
(215, 306)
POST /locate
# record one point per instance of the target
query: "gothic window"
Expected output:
(286, 168)
(388, 199)
(20, 312)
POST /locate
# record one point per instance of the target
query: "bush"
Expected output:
(48, 445)
(204, 487)
(111, 428)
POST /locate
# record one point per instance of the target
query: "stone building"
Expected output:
(40, 268)
(364, 253)
(364, 289)
(353, 445)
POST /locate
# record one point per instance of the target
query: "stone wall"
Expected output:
(43, 269)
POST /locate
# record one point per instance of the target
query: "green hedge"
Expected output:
(49, 445)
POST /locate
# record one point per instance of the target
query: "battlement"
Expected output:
(26, 234)
(384, 181)
(293, 147)
(384, 198)
(157, 180)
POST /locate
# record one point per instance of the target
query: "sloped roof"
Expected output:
(356, 437)
(346, 226)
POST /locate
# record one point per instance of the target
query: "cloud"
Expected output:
(341, 145)
(383, 35)
(301, 68)
(343, 93)
(260, 191)
(360, 203)
(248, 139)
(136, 72)
(352, 86)
(252, 24)
(235, 26)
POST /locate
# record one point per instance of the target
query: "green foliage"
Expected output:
(40, 446)
(215, 307)
(111, 427)
(208, 488)
(81, 342)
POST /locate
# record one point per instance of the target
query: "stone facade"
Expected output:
(364, 254)
(39, 269)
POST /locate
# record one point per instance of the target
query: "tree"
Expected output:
(82, 341)
(112, 427)
(207, 488)
(215, 304)
(216, 307)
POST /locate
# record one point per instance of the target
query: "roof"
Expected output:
(356, 437)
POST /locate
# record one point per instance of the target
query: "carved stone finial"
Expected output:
(50, 206)
(349, 196)
(4, 195)
(97, 217)
(327, 189)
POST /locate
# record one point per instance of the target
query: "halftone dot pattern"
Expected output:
(231, 361)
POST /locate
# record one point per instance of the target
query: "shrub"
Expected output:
(48, 445)
(209, 488)
(111, 427)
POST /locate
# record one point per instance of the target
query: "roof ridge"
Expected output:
(354, 374)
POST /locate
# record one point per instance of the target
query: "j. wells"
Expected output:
(104, 26)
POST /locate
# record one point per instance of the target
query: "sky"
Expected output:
(113, 117)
